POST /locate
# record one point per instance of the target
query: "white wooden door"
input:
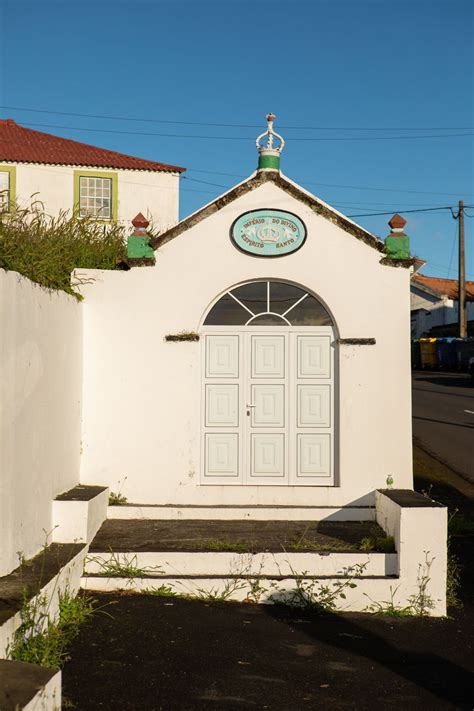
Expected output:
(268, 407)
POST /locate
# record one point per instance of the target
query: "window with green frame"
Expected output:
(7, 187)
(95, 195)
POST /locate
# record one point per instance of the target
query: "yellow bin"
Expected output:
(429, 357)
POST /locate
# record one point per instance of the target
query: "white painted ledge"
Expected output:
(77, 520)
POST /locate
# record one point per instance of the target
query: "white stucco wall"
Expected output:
(40, 410)
(156, 195)
(142, 395)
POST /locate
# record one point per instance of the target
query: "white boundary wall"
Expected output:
(40, 410)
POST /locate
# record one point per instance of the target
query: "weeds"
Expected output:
(121, 565)
(47, 249)
(224, 544)
(453, 571)
(419, 604)
(389, 608)
(311, 593)
(39, 639)
(162, 591)
(116, 498)
(378, 541)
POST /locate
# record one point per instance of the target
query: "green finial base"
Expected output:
(139, 248)
(398, 246)
(268, 162)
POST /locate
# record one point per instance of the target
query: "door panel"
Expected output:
(314, 357)
(269, 401)
(268, 455)
(313, 455)
(222, 356)
(268, 356)
(314, 405)
(222, 455)
(222, 405)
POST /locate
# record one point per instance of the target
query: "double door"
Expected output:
(268, 407)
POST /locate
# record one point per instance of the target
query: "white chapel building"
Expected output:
(293, 384)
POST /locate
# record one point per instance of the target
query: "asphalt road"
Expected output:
(443, 418)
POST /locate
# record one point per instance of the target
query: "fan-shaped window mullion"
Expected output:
(268, 303)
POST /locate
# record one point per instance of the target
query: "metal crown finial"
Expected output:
(271, 134)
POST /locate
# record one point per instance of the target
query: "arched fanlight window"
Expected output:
(268, 303)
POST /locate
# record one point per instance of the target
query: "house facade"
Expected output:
(435, 302)
(64, 175)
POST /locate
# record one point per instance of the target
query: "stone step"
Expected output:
(149, 535)
(349, 594)
(136, 564)
(234, 513)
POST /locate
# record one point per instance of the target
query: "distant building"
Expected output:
(434, 303)
(67, 175)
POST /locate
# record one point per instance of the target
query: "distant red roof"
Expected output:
(24, 145)
(444, 287)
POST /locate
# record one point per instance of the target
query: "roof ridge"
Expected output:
(35, 149)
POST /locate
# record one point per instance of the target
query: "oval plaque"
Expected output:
(268, 233)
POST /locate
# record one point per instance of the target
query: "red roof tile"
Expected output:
(24, 145)
(444, 287)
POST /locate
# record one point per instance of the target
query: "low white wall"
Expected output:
(420, 534)
(40, 410)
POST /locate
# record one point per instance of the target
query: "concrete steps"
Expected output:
(259, 561)
(235, 513)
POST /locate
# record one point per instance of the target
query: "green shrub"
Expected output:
(47, 249)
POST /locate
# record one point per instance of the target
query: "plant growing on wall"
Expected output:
(47, 249)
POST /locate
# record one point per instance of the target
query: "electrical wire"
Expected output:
(242, 138)
(424, 209)
(239, 125)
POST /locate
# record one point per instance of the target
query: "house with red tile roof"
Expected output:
(86, 180)
(434, 303)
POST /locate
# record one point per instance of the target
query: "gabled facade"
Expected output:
(66, 175)
(293, 384)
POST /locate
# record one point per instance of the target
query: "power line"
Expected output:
(243, 138)
(424, 209)
(239, 125)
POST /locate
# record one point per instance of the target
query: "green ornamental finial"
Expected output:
(269, 156)
(389, 481)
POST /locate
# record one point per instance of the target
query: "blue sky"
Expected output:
(327, 69)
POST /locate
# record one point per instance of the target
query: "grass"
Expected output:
(47, 249)
(39, 639)
(162, 591)
(122, 566)
(225, 544)
(117, 499)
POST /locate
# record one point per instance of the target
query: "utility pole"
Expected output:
(462, 275)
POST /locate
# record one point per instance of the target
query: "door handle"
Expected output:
(250, 405)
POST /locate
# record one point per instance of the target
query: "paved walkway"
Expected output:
(169, 654)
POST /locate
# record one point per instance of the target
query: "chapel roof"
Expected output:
(255, 181)
(24, 145)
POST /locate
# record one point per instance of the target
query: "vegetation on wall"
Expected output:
(47, 249)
